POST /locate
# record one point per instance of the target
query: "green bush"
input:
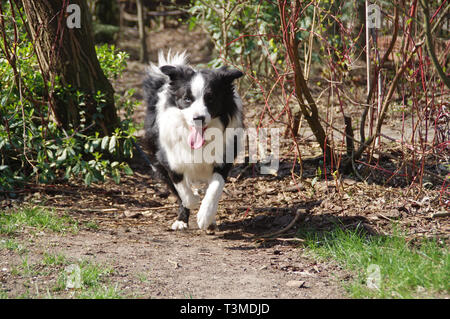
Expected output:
(33, 147)
(240, 30)
(248, 33)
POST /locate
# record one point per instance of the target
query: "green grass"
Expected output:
(94, 278)
(100, 292)
(91, 225)
(92, 274)
(54, 260)
(92, 281)
(3, 294)
(12, 244)
(405, 271)
(13, 221)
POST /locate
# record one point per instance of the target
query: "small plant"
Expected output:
(91, 225)
(54, 259)
(92, 274)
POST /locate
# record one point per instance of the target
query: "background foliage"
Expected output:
(32, 146)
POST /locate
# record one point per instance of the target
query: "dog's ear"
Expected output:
(229, 74)
(170, 71)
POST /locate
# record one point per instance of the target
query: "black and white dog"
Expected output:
(183, 104)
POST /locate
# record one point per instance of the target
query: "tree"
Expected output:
(106, 11)
(308, 107)
(143, 56)
(67, 58)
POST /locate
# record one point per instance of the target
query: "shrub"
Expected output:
(32, 146)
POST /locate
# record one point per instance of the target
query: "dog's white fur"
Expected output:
(174, 127)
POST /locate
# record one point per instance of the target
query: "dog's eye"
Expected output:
(187, 99)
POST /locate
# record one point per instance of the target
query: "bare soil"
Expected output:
(236, 261)
(151, 262)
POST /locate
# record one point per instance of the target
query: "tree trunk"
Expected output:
(67, 57)
(359, 25)
(143, 57)
(107, 12)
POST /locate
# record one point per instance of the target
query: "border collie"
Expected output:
(183, 104)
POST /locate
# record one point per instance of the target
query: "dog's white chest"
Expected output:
(181, 157)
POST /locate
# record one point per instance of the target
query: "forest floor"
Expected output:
(130, 222)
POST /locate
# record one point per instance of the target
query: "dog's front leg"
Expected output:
(208, 208)
(188, 201)
(188, 198)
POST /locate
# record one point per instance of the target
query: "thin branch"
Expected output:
(289, 226)
(377, 70)
(430, 45)
(386, 103)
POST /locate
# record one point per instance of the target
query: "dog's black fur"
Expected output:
(171, 86)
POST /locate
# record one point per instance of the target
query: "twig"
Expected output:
(429, 43)
(104, 210)
(285, 229)
(385, 217)
(285, 239)
(440, 214)
(177, 265)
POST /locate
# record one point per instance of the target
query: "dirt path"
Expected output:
(149, 261)
(187, 265)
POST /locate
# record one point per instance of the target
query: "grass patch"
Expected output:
(101, 292)
(91, 280)
(91, 225)
(3, 294)
(14, 220)
(91, 274)
(11, 244)
(54, 260)
(49, 276)
(385, 266)
(56, 268)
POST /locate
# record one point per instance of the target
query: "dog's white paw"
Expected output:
(206, 217)
(179, 225)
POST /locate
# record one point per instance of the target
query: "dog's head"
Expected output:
(201, 95)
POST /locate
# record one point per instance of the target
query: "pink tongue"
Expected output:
(195, 138)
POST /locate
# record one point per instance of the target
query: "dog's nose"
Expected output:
(199, 118)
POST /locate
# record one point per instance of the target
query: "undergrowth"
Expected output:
(33, 148)
(385, 266)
